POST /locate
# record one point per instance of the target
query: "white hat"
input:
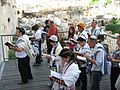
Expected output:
(93, 37)
(54, 38)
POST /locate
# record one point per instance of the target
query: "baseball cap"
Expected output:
(81, 24)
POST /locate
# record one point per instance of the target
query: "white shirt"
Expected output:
(38, 34)
(21, 54)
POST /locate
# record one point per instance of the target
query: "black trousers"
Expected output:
(38, 59)
(115, 71)
(24, 69)
(82, 80)
(95, 81)
(49, 46)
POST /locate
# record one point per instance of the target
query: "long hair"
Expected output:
(70, 35)
(65, 52)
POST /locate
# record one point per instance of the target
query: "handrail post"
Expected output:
(2, 48)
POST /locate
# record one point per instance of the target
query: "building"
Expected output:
(8, 22)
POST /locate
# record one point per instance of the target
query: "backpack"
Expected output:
(106, 63)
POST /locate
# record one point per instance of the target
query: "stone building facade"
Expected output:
(8, 21)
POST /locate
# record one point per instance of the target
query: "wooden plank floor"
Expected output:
(40, 73)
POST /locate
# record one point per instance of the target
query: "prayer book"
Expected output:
(9, 44)
(81, 58)
(55, 74)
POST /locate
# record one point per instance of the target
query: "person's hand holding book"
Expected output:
(10, 46)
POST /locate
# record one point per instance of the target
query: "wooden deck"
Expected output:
(10, 78)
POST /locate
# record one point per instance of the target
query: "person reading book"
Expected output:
(9, 44)
(70, 71)
(21, 48)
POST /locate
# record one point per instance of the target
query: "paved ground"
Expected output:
(40, 73)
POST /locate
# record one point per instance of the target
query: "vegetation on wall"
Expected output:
(92, 2)
(11, 55)
(114, 26)
(108, 2)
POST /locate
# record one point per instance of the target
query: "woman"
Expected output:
(70, 71)
(71, 35)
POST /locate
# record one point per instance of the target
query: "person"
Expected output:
(84, 48)
(46, 28)
(71, 35)
(55, 60)
(36, 41)
(97, 62)
(94, 30)
(70, 71)
(115, 70)
(22, 55)
(52, 31)
(56, 48)
(101, 38)
(82, 31)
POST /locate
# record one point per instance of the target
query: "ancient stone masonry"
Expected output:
(8, 21)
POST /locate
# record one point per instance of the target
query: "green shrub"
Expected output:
(115, 28)
(11, 55)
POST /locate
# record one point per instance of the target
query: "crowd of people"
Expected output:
(86, 54)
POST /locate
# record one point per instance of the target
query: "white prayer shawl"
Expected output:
(99, 66)
(23, 42)
(70, 75)
(84, 35)
(96, 31)
(55, 56)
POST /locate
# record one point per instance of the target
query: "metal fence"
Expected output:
(4, 49)
(111, 41)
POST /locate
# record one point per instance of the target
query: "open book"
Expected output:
(46, 55)
(55, 74)
(9, 44)
(81, 58)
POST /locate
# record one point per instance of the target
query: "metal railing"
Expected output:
(110, 40)
(3, 48)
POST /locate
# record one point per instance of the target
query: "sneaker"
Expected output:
(36, 64)
(21, 83)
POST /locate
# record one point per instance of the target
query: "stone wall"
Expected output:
(8, 20)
